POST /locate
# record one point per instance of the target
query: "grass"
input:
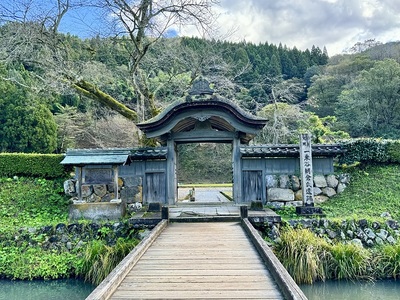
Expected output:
(349, 261)
(300, 251)
(27, 263)
(100, 259)
(309, 258)
(390, 258)
(372, 191)
(31, 202)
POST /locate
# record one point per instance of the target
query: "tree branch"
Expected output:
(91, 91)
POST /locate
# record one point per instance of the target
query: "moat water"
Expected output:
(348, 290)
(67, 289)
(75, 289)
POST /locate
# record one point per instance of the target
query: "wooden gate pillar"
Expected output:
(171, 173)
(237, 171)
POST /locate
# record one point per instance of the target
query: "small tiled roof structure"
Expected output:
(289, 150)
(83, 157)
(149, 153)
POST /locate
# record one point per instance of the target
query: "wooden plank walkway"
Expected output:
(199, 261)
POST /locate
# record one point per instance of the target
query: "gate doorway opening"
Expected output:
(204, 173)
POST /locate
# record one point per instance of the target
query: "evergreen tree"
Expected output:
(274, 68)
(287, 65)
(26, 123)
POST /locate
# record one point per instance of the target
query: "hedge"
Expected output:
(32, 165)
(370, 150)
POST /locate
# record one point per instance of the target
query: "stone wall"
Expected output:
(66, 237)
(285, 190)
(129, 190)
(361, 232)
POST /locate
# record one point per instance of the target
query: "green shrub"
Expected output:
(32, 165)
(370, 150)
(364, 150)
(393, 149)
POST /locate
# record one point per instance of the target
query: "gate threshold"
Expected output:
(206, 212)
(218, 212)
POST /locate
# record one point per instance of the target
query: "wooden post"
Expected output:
(244, 212)
(80, 183)
(164, 213)
(171, 172)
(115, 169)
(237, 171)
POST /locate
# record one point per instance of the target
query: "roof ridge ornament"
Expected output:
(200, 87)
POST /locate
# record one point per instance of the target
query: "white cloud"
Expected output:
(336, 24)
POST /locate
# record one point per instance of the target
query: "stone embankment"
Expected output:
(361, 232)
(286, 190)
(66, 237)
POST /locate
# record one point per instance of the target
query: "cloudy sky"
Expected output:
(336, 24)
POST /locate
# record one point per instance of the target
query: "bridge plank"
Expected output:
(198, 278)
(261, 294)
(199, 261)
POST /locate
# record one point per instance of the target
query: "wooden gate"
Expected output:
(155, 187)
(252, 186)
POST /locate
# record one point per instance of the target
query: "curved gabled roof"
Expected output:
(213, 112)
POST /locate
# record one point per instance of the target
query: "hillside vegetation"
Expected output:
(38, 241)
(374, 190)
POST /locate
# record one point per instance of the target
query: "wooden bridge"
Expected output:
(219, 260)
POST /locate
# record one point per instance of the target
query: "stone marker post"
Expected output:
(307, 178)
(306, 169)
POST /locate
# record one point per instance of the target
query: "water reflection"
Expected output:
(348, 290)
(71, 289)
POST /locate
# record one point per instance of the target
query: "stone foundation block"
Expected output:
(332, 181)
(320, 181)
(277, 194)
(97, 211)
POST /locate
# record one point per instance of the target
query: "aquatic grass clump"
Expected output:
(349, 261)
(100, 259)
(389, 260)
(303, 254)
(309, 258)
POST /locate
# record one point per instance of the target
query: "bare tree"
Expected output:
(143, 21)
(363, 46)
(46, 13)
(146, 21)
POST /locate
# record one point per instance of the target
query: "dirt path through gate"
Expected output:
(205, 194)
